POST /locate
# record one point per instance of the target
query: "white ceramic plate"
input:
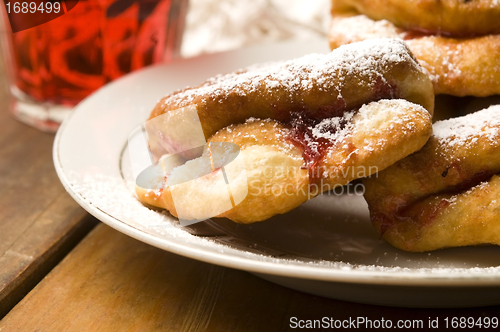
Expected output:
(325, 247)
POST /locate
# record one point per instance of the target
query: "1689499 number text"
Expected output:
(33, 7)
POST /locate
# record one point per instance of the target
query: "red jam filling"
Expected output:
(302, 120)
(403, 212)
(415, 33)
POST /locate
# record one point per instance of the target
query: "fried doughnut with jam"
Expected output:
(459, 18)
(278, 176)
(457, 66)
(316, 85)
(307, 125)
(444, 195)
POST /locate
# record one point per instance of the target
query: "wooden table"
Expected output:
(55, 276)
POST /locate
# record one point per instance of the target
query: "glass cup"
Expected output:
(78, 47)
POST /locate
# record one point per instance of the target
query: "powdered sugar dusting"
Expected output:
(329, 70)
(492, 3)
(334, 129)
(464, 131)
(360, 27)
(115, 197)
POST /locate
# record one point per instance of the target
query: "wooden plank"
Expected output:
(111, 282)
(39, 222)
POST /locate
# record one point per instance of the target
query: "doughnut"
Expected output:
(303, 126)
(444, 195)
(459, 18)
(317, 85)
(457, 66)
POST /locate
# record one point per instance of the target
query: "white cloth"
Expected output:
(219, 25)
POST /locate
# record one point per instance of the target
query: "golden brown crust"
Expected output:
(458, 67)
(277, 182)
(444, 194)
(448, 17)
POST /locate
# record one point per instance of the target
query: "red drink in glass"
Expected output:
(60, 62)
